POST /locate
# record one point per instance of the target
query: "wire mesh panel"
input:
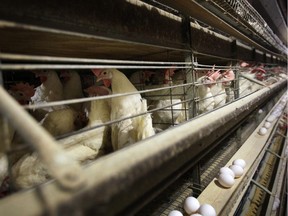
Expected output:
(243, 11)
(76, 106)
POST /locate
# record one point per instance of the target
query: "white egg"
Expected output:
(271, 118)
(175, 213)
(267, 125)
(238, 170)
(196, 214)
(226, 180)
(260, 111)
(239, 162)
(226, 170)
(191, 205)
(207, 210)
(262, 131)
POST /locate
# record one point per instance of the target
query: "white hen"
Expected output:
(62, 121)
(72, 87)
(30, 171)
(168, 115)
(133, 129)
(222, 82)
(51, 89)
(248, 83)
(206, 99)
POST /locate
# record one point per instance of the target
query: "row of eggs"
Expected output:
(227, 175)
(226, 178)
(276, 113)
(193, 208)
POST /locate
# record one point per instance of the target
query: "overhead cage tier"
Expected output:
(133, 30)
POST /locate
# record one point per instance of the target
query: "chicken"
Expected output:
(22, 92)
(163, 79)
(72, 87)
(27, 168)
(29, 171)
(98, 113)
(170, 112)
(280, 72)
(229, 83)
(99, 110)
(206, 99)
(51, 89)
(66, 119)
(168, 115)
(141, 78)
(222, 82)
(95, 140)
(249, 80)
(63, 121)
(85, 146)
(133, 129)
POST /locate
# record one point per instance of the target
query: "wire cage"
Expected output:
(175, 92)
(75, 114)
(242, 10)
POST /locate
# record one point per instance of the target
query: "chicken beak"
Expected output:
(99, 79)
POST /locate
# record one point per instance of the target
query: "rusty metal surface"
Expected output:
(110, 29)
(22, 40)
(116, 19)
(209, 44)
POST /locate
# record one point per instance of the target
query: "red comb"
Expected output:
(25, 88)
(259, 69)
(97, 72)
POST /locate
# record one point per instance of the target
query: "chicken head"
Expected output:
(22, 92)
(104, 75)
(259, 73)
(65, 75)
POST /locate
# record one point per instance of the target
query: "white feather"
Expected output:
(131, 130)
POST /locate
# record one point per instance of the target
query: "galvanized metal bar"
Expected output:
(262, 187)
(274, 153)
(18, 66)
(15, 57)
(279, 181)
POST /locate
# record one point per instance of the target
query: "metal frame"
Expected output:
(112, 177)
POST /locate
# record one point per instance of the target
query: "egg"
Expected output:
(262, 131)
(260, 111)
(226, 180)
(196, 214)
(175, 213)
(271, 118)
(238, 170)
(267, 125)
(239, 162)
(191, 205)
(226, 170)
(207, 210)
